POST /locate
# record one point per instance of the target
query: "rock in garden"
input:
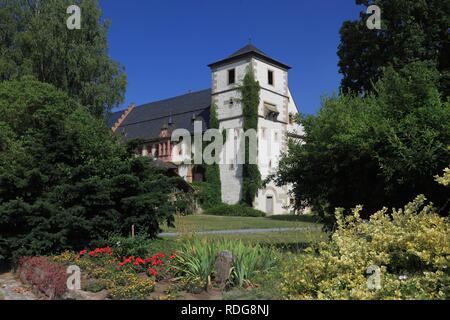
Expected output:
(224, 263)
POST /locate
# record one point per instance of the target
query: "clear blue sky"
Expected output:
(165, 46)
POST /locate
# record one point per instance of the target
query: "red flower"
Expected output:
(83, 252)
(152, 272)
(157, 262)
(139, 261)
(172, 257)
(92, 253)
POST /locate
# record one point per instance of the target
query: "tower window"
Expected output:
(231, 76)
(291, 118)
(270, 77)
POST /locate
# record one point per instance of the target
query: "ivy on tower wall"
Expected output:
(251, 177)
(212, 171)
(210, 191)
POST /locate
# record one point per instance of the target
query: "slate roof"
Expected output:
(112, 118)
(248, 48)
(248, 51)
(146, 121)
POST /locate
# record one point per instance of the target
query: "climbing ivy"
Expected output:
(251, 181)
(209, 191)
(212, 171)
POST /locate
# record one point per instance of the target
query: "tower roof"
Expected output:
(249, 51)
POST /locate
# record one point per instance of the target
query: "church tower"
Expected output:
(275, 112)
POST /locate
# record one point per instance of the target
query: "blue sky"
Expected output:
(165, 46)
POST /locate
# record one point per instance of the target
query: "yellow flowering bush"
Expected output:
(130, 286)
(410, 246)
(445, 179)
(65, 258)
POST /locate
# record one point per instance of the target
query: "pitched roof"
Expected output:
(248, 51)
(146, 121)
(248, 48)
(112, 118)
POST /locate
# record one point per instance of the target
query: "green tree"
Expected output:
(411, 30)
(65, 179)
(251, 177)
(34, 40)
(379, 150)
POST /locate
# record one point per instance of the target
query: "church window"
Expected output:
(231, 76)
(270, 77)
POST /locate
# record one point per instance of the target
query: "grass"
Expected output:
(196, 223)
(2, 297)
(293, 241)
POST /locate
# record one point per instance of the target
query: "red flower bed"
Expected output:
(43, 276)
(97, 252)
(152, 265)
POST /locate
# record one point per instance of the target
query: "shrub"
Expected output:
(379, 150)
(250, 260)
(234, 210)
(130, 286)
(45, 277)
(65, 180)
(195, 261)
(207, 194)
(411, 246)
(139, 246)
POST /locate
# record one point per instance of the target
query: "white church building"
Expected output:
(155, 122)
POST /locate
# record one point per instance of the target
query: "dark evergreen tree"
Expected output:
(65, 179)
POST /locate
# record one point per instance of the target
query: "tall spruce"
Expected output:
(251, 177)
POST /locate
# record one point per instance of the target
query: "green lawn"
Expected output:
(289, 238)
(196, 223)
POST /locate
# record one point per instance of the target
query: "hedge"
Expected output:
(234, 210)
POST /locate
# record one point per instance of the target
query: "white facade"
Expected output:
(272, 133)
